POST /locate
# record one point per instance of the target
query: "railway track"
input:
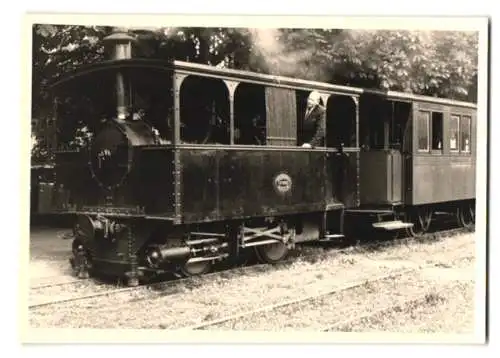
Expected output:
(374, 301)
(344, 325)
(161, 284)
(171, 285)
(57, 283)
(328, 292)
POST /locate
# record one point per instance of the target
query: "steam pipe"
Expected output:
(119, 47)
(121, 96)
(158, 255)
(161, 254)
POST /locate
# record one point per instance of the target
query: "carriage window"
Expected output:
(454, 132)
(341, 121)
(152, 103)
(437, 131)
(465, 132)
(204, 111)
(249, 115)
(400, 114)
(423, 131)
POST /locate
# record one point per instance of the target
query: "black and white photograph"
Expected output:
(272, 178)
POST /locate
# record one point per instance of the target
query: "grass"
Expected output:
(448, 311)
(230, 292)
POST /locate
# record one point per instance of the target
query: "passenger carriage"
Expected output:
(417, 158)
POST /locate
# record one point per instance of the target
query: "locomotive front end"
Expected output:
(106, 230)
(110, 113)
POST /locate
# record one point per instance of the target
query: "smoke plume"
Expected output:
(275, 51)
(272, 51)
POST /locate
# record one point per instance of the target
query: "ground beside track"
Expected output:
(49, 254)
(453, 259)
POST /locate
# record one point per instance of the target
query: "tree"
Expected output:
(57, 49)
(434, 63)
(442, 64)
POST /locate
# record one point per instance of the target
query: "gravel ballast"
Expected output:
(222, 296)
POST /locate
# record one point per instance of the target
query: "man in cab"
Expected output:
(314, 122)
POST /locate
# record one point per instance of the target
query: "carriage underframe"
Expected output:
(143, 249)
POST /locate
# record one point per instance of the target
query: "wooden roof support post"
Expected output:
(231, 88)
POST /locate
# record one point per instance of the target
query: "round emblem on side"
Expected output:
(283, 183)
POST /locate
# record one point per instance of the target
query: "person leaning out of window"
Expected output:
(314, 122)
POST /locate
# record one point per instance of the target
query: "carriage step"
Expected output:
(392, 225)
(370, 211)
(330, 237)
(442, 213)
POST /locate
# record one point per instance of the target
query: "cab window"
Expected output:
(437, 131)
(454, 133)
(465, 130)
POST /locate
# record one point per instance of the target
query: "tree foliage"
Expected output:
(439, 64)
(442, 64)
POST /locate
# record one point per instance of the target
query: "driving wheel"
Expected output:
(195, 268)
(271, 253)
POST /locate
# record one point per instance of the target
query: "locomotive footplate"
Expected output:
(380, 219)
(392, 225)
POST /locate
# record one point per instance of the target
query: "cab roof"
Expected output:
(190, 68)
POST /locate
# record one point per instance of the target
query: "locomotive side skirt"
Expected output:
(231, 183)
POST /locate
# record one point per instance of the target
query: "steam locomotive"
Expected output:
(187, 164)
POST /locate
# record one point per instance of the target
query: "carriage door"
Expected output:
(342, 144)
(395, 118)
(281, 117)
(407, 153)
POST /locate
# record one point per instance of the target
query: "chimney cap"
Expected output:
(120, 36)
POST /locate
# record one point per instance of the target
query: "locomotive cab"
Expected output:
(99, 138)
(227, 155)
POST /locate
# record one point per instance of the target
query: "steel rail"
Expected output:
(329, 292)
(56, 284)
(178, 281)
(415, 299)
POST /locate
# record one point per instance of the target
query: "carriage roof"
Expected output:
(190, 68)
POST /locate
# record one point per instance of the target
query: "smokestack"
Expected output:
(118, 46)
